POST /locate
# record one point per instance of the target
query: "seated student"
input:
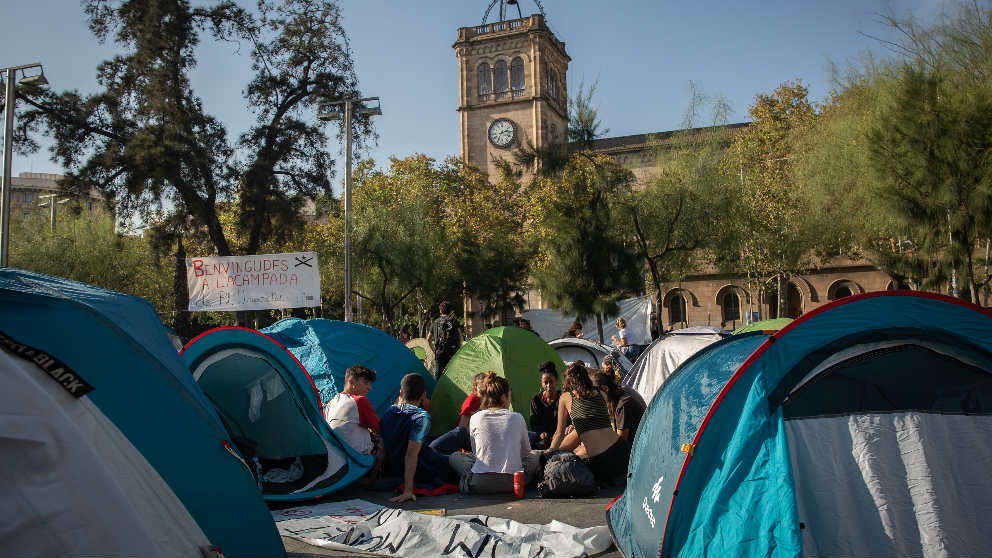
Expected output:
(620, 340)
(608, 453)
(544, 405)
(499, 443)
(626, 406)
(351, 415)
(405, 426)
(472, 402)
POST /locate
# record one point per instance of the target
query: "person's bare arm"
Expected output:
(409, 470)
(464, 420)
(562, 419)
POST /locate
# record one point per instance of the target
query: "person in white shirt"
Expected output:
(500, 446)
(620, 340)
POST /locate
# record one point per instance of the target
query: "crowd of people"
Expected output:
(590, 415)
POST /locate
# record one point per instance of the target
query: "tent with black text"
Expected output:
(107, 445)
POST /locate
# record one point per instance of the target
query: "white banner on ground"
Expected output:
(551, 325)
(260, 282)
(357, 525)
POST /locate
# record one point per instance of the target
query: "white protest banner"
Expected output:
(260, 282)
(358, 526)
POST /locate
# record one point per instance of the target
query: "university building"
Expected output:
(32, 192)
(512, 78)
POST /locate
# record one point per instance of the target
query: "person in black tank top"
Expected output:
(608, 453)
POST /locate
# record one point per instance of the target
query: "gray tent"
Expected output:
(571, 349)
(662, 357)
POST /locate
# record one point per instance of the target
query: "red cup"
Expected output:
(518, 484)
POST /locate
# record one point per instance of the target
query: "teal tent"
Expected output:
(108, 446)
(859, 429)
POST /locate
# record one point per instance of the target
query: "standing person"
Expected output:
(351, 415)
(405, 426)
(626, 406)
(608, 453)
(445, 337)
(471, 403)
(544, 404)
(499, 441)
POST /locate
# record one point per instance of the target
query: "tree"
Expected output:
(428, 231)
(773, 240)
(584, 263)
(85, 247)
(931, 150)
(146, 141)
(671, 218)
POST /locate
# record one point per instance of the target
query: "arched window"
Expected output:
(485, 80)
(500, 77)
(842, 291)
(517, 74)
(731, 307)
(677, 310)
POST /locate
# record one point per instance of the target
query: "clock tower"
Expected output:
(511, 79)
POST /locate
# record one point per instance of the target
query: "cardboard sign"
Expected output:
(260, 282)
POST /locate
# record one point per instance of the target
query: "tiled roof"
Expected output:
(640, 141)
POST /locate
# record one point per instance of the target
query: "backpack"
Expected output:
(566, 475)
(446, 340)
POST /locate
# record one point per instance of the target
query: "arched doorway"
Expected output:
(793, 301)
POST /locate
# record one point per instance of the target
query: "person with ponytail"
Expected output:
(608, 453)
(500, 446)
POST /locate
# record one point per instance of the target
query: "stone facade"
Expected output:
(538, 111)
(27, 189)
(535, 105)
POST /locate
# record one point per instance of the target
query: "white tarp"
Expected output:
(357, 525)
(893, 484)
(550, 324)
(658, 361)
(259, 282)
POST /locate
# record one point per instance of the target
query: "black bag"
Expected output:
(446, 336)
(566, 475)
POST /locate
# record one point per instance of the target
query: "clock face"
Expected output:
(502, 132)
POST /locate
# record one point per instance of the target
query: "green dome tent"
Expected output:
(773, 324)
(510, 352)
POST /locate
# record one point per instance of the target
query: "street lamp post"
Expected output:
(8, 146)
(52, 202)
(333, 111)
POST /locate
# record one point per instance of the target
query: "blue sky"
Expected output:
(643, 54)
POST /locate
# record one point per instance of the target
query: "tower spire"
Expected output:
(504, 9)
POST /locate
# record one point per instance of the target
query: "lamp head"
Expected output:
(39, 79)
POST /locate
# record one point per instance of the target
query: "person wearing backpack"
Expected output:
(445, 337)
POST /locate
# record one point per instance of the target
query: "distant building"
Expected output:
(512, 84)
(29, 188)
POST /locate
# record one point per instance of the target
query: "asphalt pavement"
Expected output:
(578, 512)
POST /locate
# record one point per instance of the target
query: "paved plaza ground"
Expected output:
(579, 512)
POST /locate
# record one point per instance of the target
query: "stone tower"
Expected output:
(511, 81)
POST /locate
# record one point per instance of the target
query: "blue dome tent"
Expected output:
(273, 409)
(328, 347)
(108, 446)
(860, 429)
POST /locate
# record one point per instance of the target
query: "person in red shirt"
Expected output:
(351, 415)
(472, 402)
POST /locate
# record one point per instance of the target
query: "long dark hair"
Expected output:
(605, 380)
(577, 381)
